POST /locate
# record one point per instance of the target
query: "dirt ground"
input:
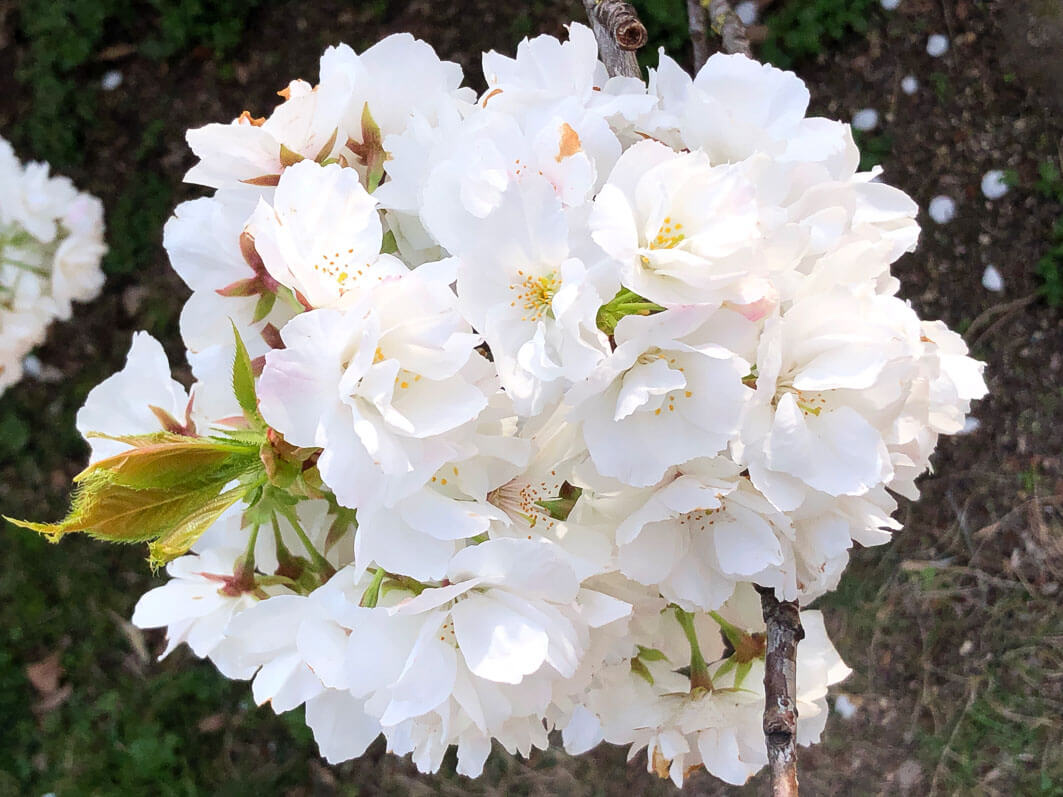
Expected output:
(954, 631)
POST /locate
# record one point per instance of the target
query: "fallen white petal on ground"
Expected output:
(942, 209)
(992, 280)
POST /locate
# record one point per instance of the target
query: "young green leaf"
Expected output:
(244, 383)
(180, 538)
(164, 460)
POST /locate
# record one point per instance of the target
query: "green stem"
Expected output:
(372, 592)
(249, 552)
(699, 670)
(40, 272)
(320, 562)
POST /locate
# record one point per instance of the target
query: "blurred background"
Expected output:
(954, 631)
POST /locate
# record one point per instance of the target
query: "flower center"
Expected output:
(810, 403)
(521, 501)
(344, 273)
(535, 295)
(669, 235)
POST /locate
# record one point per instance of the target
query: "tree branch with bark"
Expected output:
(783, 619)
(619, 34)
(732, 32)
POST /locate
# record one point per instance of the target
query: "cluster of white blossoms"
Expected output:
(51, 244)
(505, 404)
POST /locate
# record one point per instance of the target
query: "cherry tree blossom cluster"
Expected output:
(504, 405)
(51, 244)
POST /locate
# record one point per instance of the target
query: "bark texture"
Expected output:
(780, 690)
(698, 16)
(619, 32)
(725, 22)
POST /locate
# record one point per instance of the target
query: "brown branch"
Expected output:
(783, 620)
(619, 33)
(726, 23)
(698, 16)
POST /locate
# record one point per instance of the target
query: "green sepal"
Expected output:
(289, 157)
(388, 244)
(244, 383)
(269, 501)
(641, 670)
(650, 654)
(263, 306)
(370, 150)
(406, 583)
(625, 303)
(740, 674)
(326, 150)
(561, 507)
(343, 520)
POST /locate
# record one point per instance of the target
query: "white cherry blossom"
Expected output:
(383, 387)
(670, 392)
(322, 235)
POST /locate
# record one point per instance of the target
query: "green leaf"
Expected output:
(117, 513)
(166, 488)
(164, 460)
(180, 538)
(244, 383)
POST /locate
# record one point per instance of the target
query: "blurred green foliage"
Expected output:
(63, 41)
(796, 29)
(875, 148)
(667, 26)
(801, 29)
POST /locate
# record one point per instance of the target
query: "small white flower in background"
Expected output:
(890, 5)
(747, 12)
(970, 425)
(992, 279)
(994, 184)
(503, 408)
(51, 246)
(866, 119)
(937, 45)
(910, 84)
(942, 209)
